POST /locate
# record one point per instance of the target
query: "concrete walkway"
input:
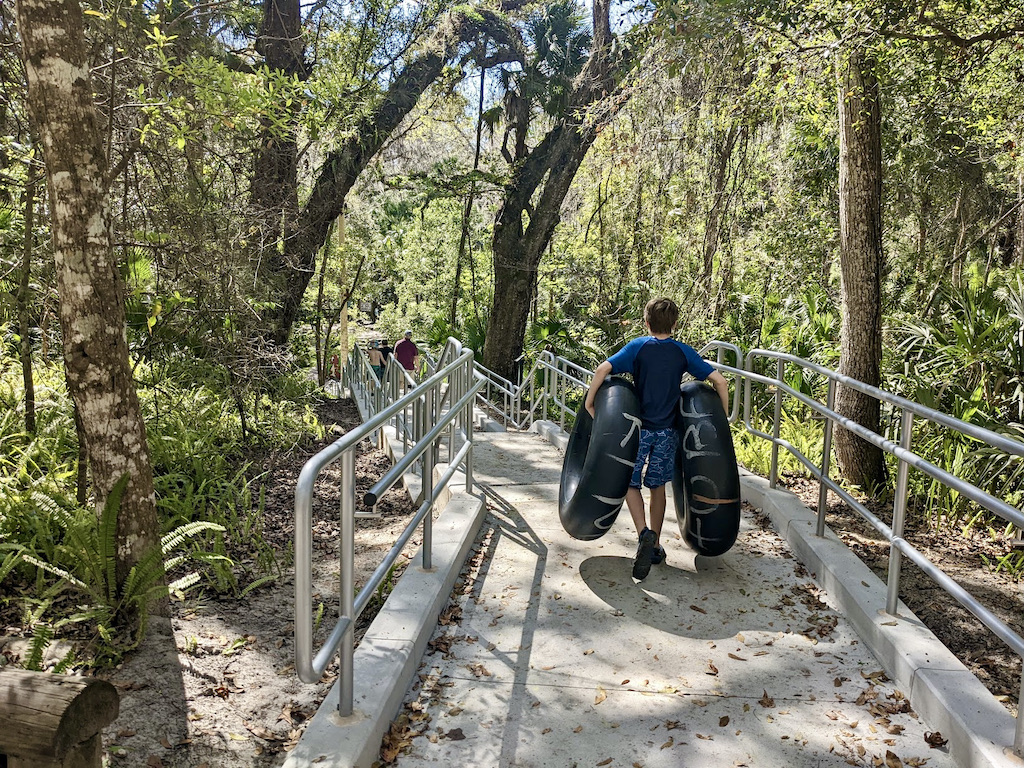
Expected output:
(553, 656)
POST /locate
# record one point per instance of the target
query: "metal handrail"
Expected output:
(560, 374)
(422, 431)
(906, 458)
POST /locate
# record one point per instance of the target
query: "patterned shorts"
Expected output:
(658, 452)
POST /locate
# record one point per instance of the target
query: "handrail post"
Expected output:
(544, 397)
(469, 429)
(826, 458)
(428, 499)
(347, 596)
(899, 515)
(773, 475)
(1018, 738)
(560, 396)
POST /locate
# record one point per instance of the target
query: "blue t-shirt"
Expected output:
(658, 366)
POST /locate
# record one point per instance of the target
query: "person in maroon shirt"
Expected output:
(406, 353)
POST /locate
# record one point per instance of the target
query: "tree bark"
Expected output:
(342, 167)
(275, 172)
(551, 167)
(92, 315)
(860, 226)
(24, 327)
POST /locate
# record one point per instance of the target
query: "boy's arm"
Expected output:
(599, 376)
(721, 386)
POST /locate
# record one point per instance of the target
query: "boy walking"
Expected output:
(657, 363)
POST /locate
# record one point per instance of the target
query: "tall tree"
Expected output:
(860, 228)
(342, 166)
(275, 190)
(92, 314)
(541, 176)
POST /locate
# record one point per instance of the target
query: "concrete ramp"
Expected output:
(551, 654)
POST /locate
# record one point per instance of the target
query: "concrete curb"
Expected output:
(952, 700)
(942, 690)
(551, 432)
(485, 423)
(390, 652)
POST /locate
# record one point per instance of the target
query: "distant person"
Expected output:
(657, 363)
(385, 350)
(406, 353)
(376, 359)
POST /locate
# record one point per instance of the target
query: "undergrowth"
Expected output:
(57, 554)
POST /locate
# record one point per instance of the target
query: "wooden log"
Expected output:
(54, 720)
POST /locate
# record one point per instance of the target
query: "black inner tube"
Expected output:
(599, 461)
(706, 486)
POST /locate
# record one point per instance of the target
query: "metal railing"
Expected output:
(560, 376)
(425, 416)
(908, 411)
(547, 386)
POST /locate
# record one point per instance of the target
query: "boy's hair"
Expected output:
(661, 315)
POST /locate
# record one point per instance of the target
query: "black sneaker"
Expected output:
(642, 561)
(658, 556)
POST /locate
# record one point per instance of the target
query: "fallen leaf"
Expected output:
(154, 762)
(455, 734)
(588, 651)
(624, 681)
(606, 761)
(712, 669)
(934, 739)
(546, 730)
(238, 737)
(734, 656)
(891, 760)
(668, 743)
(601, 696)
(723, 721)
(126, 733)
(708, 737)
(697, 608)
(766, 700)
(577, 729)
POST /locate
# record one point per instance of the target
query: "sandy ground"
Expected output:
(215, 685)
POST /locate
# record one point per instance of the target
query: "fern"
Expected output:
(42, 634)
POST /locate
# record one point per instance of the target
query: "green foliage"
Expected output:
(57, 556)
(71, 549)
(967, 362)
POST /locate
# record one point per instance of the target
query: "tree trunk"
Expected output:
(275, 170)
(720, 199)
(24, 327)
(860, 226)
(551, 166)
(92, 314)
(342, 167)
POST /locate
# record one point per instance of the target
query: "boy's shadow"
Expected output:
(694, 596)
